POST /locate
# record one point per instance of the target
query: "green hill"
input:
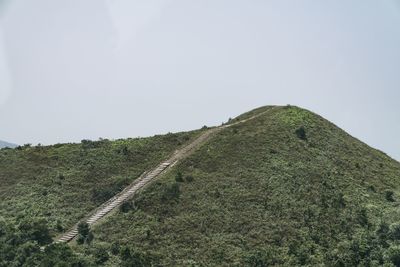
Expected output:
(285, 188)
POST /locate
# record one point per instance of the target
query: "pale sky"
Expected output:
(84, 69)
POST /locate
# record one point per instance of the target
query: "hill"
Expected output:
(284, 188)
(4, 144)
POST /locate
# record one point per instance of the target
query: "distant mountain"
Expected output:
(6, 144)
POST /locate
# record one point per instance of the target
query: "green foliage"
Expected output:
(22, 247)
(189, 178)
(115, 248)
(100, 195)
(301, 133)
(179, 177)
(259, 258)
(171, 192)
(64, 182)
(395, 231)
(126, 207)
(84, 234)
(132, 258)
(389, 195)
(83, 229)
(101, 255)
(393, 254)
(35, 230)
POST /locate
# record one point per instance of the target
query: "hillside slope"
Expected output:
(287, 188)
(62, 183)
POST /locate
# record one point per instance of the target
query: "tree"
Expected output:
(301, 133)
(36, 230)
(84, 233)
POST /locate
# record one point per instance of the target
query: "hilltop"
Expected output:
(286, 187)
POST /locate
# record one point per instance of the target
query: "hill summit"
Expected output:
(282, 187)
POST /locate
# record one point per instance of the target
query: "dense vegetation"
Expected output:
(286, 188)
(62, 183)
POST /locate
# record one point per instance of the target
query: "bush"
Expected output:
(126, 207)
(36, 230)
(179, 177)
(258, 259)
(83, 229)
(362, 217)
(189, 178)
(171, 192)
(132, 258)
(389, 195)
(395, 231)
(301, 133)
(115, 248)
(383, 233)
(393, 255)
(84, 234)
(101, 255)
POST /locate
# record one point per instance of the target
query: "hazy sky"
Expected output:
(83, 69)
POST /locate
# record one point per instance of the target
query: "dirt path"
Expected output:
(146, 178)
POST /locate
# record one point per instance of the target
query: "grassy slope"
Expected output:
(63, 182)
(260, 193)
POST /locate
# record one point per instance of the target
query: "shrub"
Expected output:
(389, 195)
(362, 217)
(258, 259)
(115, 248)
(101, 255)
(395, 231)
(393, 255)
(383, 233)
(83, 229)
(125, 151)
(36, 230)
(179, 177)
(126, 207)
(189, 179)
(134, 258)
(59, 226)
(171, 192)
(301, 133)
(89, 238)
(80, 240)
(84, 234)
